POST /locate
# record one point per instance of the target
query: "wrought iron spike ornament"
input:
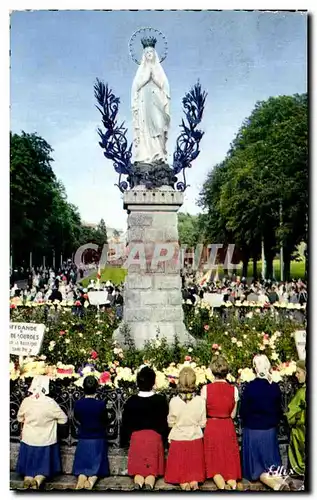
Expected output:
(187, 144)
(114, 140)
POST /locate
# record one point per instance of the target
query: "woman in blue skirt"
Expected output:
(39, 455)
(91, 457)
(261, 412)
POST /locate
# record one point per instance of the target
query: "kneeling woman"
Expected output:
(187, 415)
(39, 455)
(91, 457)
(220, 441)
(144, 425)
(261, 412)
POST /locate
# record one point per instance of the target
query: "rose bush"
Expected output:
(74, 340)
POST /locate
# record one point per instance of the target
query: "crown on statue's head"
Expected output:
(148, 42)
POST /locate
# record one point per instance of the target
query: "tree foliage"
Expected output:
(42, 219)
(188, 232)
(260, 190)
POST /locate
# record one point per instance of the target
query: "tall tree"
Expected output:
(42, 221)
(188, 232)
(260, 191)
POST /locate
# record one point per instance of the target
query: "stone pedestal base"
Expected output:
(152, 294)
(142, 332)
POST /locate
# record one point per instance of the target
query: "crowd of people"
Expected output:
(198, 429)
(64, 284)
(262, 292)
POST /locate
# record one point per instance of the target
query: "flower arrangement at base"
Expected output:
(72, 342)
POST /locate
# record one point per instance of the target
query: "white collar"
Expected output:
(145, 394)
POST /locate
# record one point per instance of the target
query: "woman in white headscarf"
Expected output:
(150, 109)
(260, 413)
(39, 456)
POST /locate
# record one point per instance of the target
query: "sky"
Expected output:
(239, 57)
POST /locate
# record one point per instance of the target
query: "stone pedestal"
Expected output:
(152, 294)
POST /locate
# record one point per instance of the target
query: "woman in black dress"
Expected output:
(144, 426)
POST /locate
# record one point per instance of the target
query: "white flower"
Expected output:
(274, 356)
(246, 375)
(262, 347)
(158, 343)
(266, 342)
(239, 343)
(80, 335)
(288, 368)
(51, 345)
(230, 378)
(67, 341)
(86, 370)
(209, 375)
(233, 340)
(245, 336)
(161, 381)
(190, 349)
(249, 315)
(276, 376)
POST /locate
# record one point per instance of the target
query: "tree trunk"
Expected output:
(287, 266)
(269, 267)
(245, 263)
(255, 269)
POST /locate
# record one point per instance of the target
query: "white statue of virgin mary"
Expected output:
(150, 108)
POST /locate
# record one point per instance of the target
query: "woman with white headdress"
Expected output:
(150, 107)
(39, 414)
(261, 412)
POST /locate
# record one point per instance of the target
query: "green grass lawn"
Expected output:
(297, 269)
(114, 274)
(117, 274)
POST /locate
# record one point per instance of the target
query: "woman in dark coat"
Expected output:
(261, 412)
(91, 456)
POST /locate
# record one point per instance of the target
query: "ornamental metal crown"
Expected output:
(148, 42)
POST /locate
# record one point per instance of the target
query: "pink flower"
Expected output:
(171, 379)
(94, 354)
(65, 371)
(77, 303)
(12, 306)
(215, 346)
(206, 328)
(188, 358)
(266, 336)
(104, 377)
(62, 332)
